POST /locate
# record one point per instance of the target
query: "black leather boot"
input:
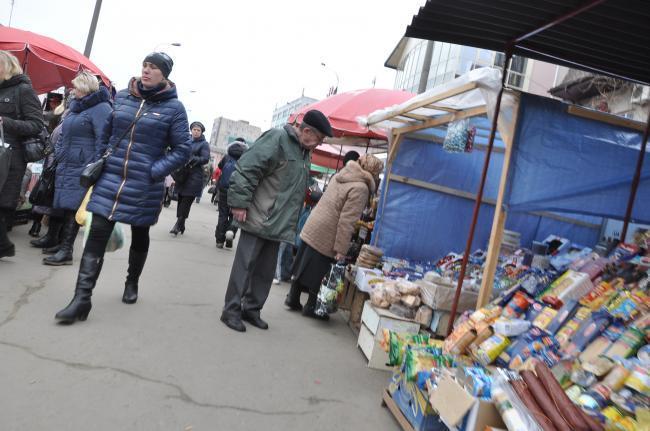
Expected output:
(181, 226)
(136, 264)
(51, 250)
(64, 255)
(293, 297)
(78, 309)
(51, 238)
(35, 230)
(310, 309)
(176, 229)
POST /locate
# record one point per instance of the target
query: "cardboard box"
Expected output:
(461, 411)
(441, 297)
(414, 405)
(373, 322)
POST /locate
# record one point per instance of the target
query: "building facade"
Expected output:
(281, 112)
(224, 131)
(423, 64)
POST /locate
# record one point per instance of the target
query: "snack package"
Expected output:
(566, 332)
(379, 298)
(418, 359)
(600, 295)
(562, 316)
(406, 287)
(485, 314)
(545, 318)
(639, 380)
(534, 343)
(589, 329)
(600, 345)
(626, 345)
(398, 342)
(516, 307)
(625, 306)
(534, 309)
(511, 327)
(491, 348)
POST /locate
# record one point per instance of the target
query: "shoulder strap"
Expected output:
(16, 96)
(112, 148)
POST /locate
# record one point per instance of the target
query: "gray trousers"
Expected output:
(251, 276)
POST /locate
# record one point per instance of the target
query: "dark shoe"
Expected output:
(136, 264)
(219, 244)
(230, 236)
(7, 250)
(176, 229)
(52, 250)
(234, 323)
(78, 309)
(254, 319)
(293, 306)
(293, 297)
(64, 255)
(51, 238)
(311, 312)
(35, 230)
(181, 226)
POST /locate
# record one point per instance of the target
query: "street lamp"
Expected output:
(336, 89)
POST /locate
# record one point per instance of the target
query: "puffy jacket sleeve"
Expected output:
(30, 112)
(180, 142)
(254, 164)
(355, 202)
(203, 156)
(100, 118)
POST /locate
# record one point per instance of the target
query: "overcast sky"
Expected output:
(238, 58)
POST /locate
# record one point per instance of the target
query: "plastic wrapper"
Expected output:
(406, 287)
(411, 301)
(562, 316)
(330, 290)
(491, 348)
(535, 343)
(511, 327)
(392, 293)
(379, 298)
(418, 359)
(398, 343)
(544, 319)
(116, 240)
(600, 295)
(626, 345)
(517, 306)
(566, 332)
(589, 329)
(513, 411)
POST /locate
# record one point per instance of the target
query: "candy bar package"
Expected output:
(565, 333)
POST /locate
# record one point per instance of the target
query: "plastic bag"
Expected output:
(513, 411)
(115, 242)
(460, 137)
(327, 301)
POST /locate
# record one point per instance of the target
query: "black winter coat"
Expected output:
(28, 108)
(193, 186)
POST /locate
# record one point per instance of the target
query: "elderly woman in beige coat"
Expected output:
(327, 233)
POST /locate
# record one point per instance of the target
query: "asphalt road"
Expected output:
(167, 362)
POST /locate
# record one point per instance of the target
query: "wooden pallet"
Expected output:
(387, 401)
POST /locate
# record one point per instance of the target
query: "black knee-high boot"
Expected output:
(78, 309)
(7, 248)
(136, 264)
(63, 256)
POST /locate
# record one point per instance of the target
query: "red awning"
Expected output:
(343, 109)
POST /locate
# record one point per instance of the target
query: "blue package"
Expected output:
(563, 315)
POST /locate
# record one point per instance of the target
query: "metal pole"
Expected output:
(636, 180)
(93, 27)
(479, 194)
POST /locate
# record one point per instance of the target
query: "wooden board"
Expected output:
(387, 401)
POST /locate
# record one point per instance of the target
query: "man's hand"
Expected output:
(239, 214)
(340, 257)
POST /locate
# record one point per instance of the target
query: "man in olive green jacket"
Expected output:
(266, 193)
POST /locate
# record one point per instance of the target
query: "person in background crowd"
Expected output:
(225, 231)
(350, 156)
(216, 175)
(21, 117)
(50, 242)
(147, 121)
(169, 182)
(327, 233)
(80, 141)
(193, 186)
(266, 193)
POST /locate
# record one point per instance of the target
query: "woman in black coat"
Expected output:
(21, 117)
(193, 186)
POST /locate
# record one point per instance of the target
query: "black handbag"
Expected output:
(181, 175)
(43, 192)
(34, 146)
(91, 173)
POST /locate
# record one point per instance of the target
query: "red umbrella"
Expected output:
(343, 109)
(50, 64)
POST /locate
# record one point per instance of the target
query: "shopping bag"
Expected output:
(115, 242)
(81, 214)
(331, 290)
(5, 158)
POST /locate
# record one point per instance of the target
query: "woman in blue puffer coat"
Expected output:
(148, 132)
(80, 140)
(193, 185)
